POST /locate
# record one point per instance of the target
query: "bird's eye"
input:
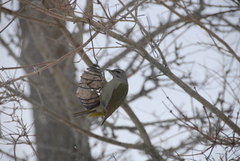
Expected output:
(117, 71)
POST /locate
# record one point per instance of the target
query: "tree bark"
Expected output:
(55, 88)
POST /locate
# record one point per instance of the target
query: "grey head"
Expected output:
(119, 74)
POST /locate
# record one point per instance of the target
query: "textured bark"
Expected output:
(55, 88)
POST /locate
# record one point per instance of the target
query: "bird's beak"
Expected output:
(110, 71)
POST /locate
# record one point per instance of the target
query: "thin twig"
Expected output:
(52, 63)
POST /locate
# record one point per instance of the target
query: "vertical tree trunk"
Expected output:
(55, 88)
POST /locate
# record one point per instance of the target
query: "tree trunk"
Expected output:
(54, 88)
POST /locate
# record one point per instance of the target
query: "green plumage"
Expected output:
(113, 95)
(97, 114)
(112, 99)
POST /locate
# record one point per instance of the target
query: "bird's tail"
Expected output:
(84, 112)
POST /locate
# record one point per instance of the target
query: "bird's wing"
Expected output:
(107, 93)
(116, 99)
